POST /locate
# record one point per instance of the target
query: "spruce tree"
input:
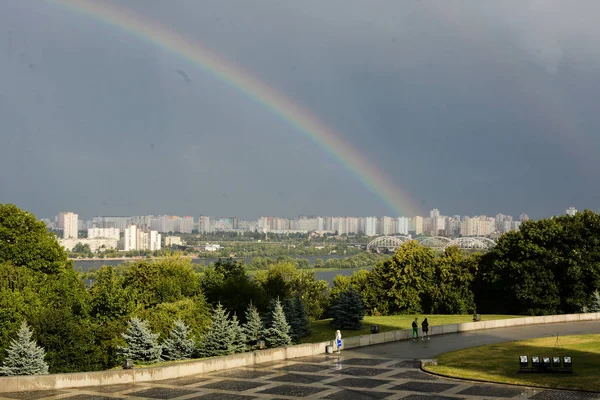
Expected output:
(25, 357)
(253, 327)
(595, 306)
(348, 311)
(142, 344)
(179, 345)
(301, 324)
(239, 337)
(289, 309)
(278, 334)
(219, 339)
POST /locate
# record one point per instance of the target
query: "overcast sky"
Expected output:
(471, 107)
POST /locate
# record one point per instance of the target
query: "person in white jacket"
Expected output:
(338, 340)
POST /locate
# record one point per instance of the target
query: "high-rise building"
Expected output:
(70, 225)
(571, 211)
(131, 237)
(387, 226)
(434, 213)
(137, 239)
(402, 225)
(415, 224)
(371, 226)
(104, 233)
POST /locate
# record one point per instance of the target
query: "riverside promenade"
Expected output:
(384, 371)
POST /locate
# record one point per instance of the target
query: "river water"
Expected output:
(328, 276)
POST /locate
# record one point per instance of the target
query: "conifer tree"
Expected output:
(179, 345)
(253, 327)
(278, 334)
(219, 339)
(595, 306)
(289, 309)
(25, 357)
(348, 311)
(301, 323)
(142, 344)
(239, 337)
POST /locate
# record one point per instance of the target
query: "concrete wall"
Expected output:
(100, 378)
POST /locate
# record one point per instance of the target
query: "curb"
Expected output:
(456, 378)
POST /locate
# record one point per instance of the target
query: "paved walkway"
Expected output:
(377, 372)
(452, 342)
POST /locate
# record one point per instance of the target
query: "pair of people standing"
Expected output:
(424, 327)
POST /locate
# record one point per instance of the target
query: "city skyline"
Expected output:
(435, 224)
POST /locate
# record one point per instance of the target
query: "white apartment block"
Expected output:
(402, 224)
(172, 241)
(71, 226)
(131, 238)
(371, 226)
(387, 226)
(571, 211)
(136, 239)
(104, 233)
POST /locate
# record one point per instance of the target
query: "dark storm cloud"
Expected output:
(480, 109)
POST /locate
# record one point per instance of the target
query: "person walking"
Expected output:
(338, 340)
(425, 328)
(415, 331)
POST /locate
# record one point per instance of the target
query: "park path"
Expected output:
(456, 341)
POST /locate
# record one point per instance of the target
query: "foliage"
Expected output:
(549, 266)
(142, 344)
(179, 345)
(595, 303)
(220, 337)
(193, 311)
(25, 242)
(25, 357)
(397, 284)
(295, 314)
(239, 341)
(253, 327)
(341, 283)
(226, 282)
(164, 280)
(450, 289)
(283, 280)
(278, 332)
(348, 311)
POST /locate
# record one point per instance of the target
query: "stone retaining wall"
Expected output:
(136, 375)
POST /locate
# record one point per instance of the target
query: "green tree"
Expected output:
(348, 311)
(25, 357)
(142, 344)
(162, 280)
(179, 345)
(595, 303)
(253, 327)
(450, 289)
(301, 325)
(549, 266)
(25, 242)
(109, 299)
(193, 311)
(220, 337)
(397, 284)
(278, 333)
(239, 337)
(226, 282)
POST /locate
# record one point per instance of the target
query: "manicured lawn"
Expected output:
(322, 330)
(500, 362)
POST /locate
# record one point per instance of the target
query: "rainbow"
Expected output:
(331, 142)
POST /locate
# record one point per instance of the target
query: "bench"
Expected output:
(556, 365)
